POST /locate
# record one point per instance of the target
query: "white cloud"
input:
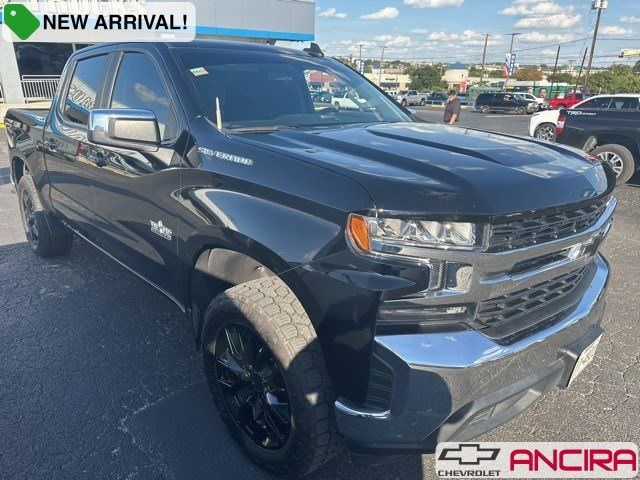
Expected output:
(419, 31)
(386, 13)
(560, 21)
(332, 13)
(521, 9)
(433, 3)
(393, 40)
(537, 37)
(615, 31)
(630, 20)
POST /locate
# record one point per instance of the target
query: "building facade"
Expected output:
(29, 71)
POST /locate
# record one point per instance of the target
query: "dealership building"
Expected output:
(30, 71)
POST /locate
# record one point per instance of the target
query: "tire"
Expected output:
(269, 310)
(485, 109)
(620, 158)
(545, 131)
(34, 219)
(337, 104)
(521, 111)
(404, 103)
(423, 102)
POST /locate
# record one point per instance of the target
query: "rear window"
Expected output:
(83, 89)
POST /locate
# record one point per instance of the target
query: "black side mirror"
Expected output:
(124, 128)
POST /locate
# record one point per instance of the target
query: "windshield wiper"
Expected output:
(260, 129)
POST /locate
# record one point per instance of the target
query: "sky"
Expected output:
(449, 30)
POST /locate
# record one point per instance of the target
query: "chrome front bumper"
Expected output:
(457, 385)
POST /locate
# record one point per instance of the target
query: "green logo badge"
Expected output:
(20, 20)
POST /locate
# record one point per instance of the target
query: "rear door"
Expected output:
(134, 195)
(66, 151)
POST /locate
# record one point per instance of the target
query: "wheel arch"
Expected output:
(601, 139)
(217, 266)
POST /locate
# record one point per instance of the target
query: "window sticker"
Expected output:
(199, 71)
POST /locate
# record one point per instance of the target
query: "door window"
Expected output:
(600, 102)
(139, 85)
(82, 92)
(624, 103)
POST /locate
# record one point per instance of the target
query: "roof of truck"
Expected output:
(215, 45)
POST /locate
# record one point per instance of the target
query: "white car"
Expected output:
(543, 124)
(348, 100)
(530, 98)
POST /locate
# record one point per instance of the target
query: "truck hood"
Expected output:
(418, 168)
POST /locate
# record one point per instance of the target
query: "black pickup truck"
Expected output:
(353, 277)
(611, 134)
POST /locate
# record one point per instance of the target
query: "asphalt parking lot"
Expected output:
(99, 377)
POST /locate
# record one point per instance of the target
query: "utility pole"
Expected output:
(360, 65)
(584, 57)
(381, 63)
(555, 70)
(506, 81)
(598, 5)
(484, 57)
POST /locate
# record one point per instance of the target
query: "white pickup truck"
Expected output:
(412, 97)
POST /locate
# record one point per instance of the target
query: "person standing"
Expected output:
(452, 108)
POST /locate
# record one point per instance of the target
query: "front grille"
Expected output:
(509, 308)
(543, 228)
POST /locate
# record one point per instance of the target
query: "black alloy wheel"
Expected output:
(252, 386)
(29, 220)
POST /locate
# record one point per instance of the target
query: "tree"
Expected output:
(636, 68)
(610, 81)
(426, 77)
(562, 77)
(528, 74)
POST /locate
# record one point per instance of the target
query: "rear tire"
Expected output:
(35, 222)
(521, 111)
(423, 102)
(267, 308)
(485, 109)
(545, 131)
(620, 158)
(404, 103)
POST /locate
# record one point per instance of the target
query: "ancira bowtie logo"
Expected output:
(19, 19)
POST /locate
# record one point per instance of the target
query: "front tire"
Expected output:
(521, 111)
(34, 219)
(485, 109)
(423, 102)
(545, 131)
(258, 331)
(620, 158)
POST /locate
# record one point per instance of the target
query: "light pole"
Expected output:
(381, 63)
(506, 81)
(360, 65)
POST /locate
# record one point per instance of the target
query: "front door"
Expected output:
(65, 147)
(134, 192)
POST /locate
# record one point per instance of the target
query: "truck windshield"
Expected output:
(275, 90)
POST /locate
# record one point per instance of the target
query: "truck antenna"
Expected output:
(218, 114)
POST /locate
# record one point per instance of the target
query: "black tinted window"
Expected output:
(624, 103)
(83, 89)
(138, 85)
(600, 102)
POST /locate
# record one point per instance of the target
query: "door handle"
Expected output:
(51, 144)
(99, 159)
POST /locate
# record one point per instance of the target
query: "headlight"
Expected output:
(402, 237)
